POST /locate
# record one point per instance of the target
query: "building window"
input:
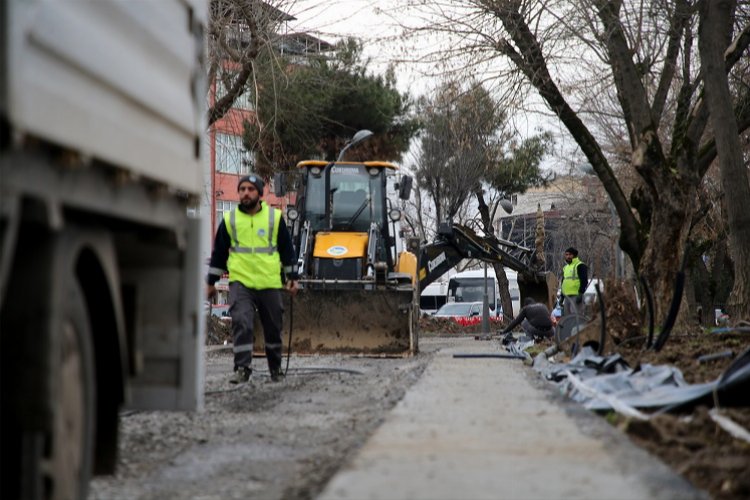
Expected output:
(231, 157)
(221, 207)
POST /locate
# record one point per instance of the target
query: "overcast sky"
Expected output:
(379, 24)
(375, 22)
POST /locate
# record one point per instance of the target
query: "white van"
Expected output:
(433, 297)
(468, 286)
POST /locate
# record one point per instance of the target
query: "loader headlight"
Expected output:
(373, 171)
(315, 171)
(292, 213)
(395, 214)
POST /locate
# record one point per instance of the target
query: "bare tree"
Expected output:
(715, 37)
(469, 161)
(643, 51)
(450, 165)
(238, 30)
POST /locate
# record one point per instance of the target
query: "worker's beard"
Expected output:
(250, 204)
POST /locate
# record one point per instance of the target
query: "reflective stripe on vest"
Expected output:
(254, 259)
(271, 248)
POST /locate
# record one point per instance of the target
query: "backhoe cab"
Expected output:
(347, 227)
(359, 286)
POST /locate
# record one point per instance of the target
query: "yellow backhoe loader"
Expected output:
(359, 280)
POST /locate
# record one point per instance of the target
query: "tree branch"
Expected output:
(676, 28)
(530, 61)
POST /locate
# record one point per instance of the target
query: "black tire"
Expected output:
(48, 395)
(66, 464)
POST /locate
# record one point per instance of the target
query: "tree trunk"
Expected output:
(500, 276)
(670, 224)
(504, 288)
(715, 29)
(699, 292)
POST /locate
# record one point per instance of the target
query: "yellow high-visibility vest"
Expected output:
(571, 282)
(254, 257)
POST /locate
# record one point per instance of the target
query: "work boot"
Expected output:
(241, 375)
(277, 375)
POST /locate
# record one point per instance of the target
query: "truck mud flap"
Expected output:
(364, 322)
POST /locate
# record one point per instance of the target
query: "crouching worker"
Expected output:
(535, 320)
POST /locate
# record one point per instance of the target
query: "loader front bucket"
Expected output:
(367, 322)
(541, 288)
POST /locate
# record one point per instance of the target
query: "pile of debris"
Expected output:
(217, 332)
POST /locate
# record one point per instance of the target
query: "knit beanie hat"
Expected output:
(252, 179)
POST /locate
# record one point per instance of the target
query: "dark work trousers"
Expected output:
(533, 331)
(570, 306)
(244, 303)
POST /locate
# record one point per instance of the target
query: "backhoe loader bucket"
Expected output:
(540, 288)
(353, 321)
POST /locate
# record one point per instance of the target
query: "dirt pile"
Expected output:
(697, 448)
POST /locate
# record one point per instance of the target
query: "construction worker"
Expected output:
(252, 243)
(535, 320)
(574, 283)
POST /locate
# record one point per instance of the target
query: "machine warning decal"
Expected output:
(344, 170)
(431, 265)
(337, 250)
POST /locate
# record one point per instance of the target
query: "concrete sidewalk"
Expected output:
(490, 428)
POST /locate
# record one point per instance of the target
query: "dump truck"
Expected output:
(101, 139)
(360, 279)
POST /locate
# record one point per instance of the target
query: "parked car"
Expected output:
(459, 310)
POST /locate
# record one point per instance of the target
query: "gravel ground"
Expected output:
(262, 439)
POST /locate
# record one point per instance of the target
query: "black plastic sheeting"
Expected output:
(600, 380)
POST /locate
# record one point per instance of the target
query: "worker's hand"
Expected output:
(579, 299)
(210, 292)
(291, 286)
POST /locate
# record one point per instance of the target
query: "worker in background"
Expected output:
(252, 243)
(574, 283)
(535, 320)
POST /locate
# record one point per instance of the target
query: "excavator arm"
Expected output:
(456, 242)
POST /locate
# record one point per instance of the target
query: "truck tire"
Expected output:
(67, 462)
(48, 383)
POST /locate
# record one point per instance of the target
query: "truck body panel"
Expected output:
(101, 77)
(101, 136)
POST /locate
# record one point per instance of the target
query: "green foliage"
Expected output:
(310, 110)
(517, 169)
(465, 149)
